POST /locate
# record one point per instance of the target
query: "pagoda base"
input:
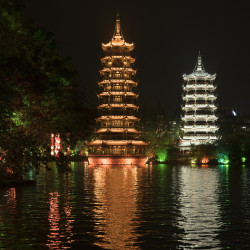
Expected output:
(117, 160)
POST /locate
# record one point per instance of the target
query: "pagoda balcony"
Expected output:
(200, 86)
(199, 112)
(121, 58)
(123, 82)
(199, 118)
(199, 92)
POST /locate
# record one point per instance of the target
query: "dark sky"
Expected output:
(168, 36)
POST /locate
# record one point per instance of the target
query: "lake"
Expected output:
(119, 207)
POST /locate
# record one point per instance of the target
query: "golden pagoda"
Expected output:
(118, 137)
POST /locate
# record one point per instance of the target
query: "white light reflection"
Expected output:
(199, 207)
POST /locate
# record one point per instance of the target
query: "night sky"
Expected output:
(168, 36)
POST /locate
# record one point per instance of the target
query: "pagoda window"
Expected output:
(117, 99)
(108, 88)
(117, 123)
(117, 87)
(126, 76)
(117, 75)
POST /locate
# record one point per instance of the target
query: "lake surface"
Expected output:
(119, 207)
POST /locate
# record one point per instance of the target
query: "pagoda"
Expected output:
(118, 138)
(199, 109)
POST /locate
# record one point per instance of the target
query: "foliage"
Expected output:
(37, 88)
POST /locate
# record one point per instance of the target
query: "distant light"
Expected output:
(204, 160)
(234, 113)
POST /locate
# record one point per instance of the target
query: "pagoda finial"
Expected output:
(199, 65)
(117, 32)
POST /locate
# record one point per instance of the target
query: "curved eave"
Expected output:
(114, 105)
(118, 130)
(118, 43)
(197, 96)
(199, 76)
(117, 93)
(118, 117)
(117, 69)
(117, 81)
(200, 130)
(199, 107)
(212, 88)
(117, 143)
(199, 118)
(200, 137)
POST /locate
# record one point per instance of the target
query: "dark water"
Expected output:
(152, 207)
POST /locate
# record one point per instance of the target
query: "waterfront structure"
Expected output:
(199, 109)
(118, 138)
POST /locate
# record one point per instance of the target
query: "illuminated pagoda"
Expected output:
(199, 109)
(118, 138)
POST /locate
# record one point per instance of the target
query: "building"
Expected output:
(118, 136)
(199, 109)
(232, 122)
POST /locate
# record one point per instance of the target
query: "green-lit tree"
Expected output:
(37, 91)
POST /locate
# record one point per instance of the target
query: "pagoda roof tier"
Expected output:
(118, 43)
(117, 39)
(200, 96)
(199, 76)
(186, 144)
(200, 137)
(199, 73)
(118, 130)
(117, 81)
(200, 86)
(118, 143)
(118, 117)
(113, 58)
(199, 106)
(118, 105)
(205, 129)
(111, 93)
(200, 126)
(118, 69)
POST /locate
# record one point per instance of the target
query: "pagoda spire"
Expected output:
(199, 65)
(117, 32)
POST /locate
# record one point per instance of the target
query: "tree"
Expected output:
(36, 90)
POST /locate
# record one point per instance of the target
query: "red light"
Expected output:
(204, 160)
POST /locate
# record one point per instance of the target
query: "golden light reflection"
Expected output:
(11, 200)
(115, 211)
